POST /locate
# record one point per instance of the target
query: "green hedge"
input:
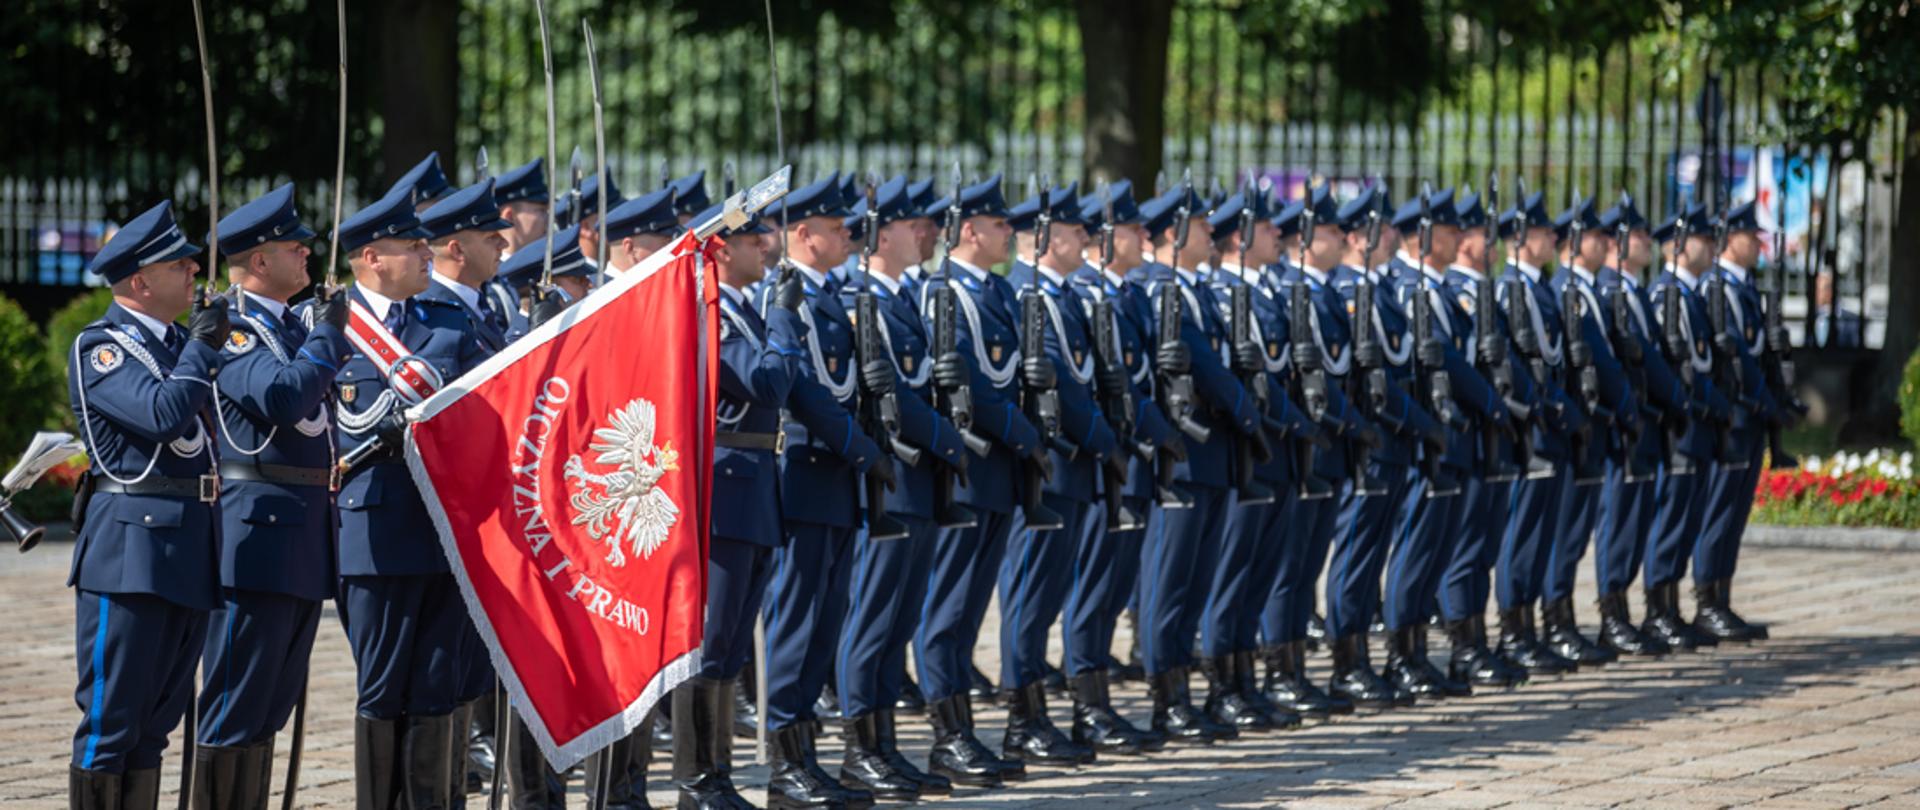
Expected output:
(33, 395)
(62, 329)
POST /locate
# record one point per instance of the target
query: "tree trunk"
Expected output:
(1123, 44)
(1880, 418)
(419, 83)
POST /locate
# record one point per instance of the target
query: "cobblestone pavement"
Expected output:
(1827, 714)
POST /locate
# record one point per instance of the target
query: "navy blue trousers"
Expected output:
(966, 565)
(737, 575)
(1532, 510)
(1036, 574)
(806, 604)
(1249, 554)
(1289, 598)
(1467, 581)
(1573, 530)
(1177, 563)
(1677, 514)
(1106, 565)
(888, 585)
(1364, 530)
(1624, 529)
(1728, 504)
(1429, 527)
(255, 665)
(135, 654)
(476, 674)
(408, 635)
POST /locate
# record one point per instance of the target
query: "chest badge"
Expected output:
(833, 365)
(1393, 342)
(1077, 355)
(994, 352)
(906, 364)
(1700, 347)
(1273, 348)
(240, 342)
(1333, 350)
(1129, 358)
(349, 393)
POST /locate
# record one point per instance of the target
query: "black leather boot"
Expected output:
(459, 775)
(230, 777)
(1403, 672)
(1225, 704)
(702, 746)
(746, 716)
(980, 687)
(376, 762)
(1246, 669)
(1316, 632)
(1453, 687)
(930, 784)
(660, 728)
(1618, 633)
(1472, 662)
(1031, 735)
(1174, 714)
(1135, 668)
(1354, 679)
(1289, 688)
(1098, 726)
(1522, 649)
(865, 765)
(796, 781)
(481, 742)
(425, 749)
(1563, 635)
(140, 789)
(623, 766)
(1712, 618)
(957, 754)
(1055, 680)
(92, 789)
(910, 699)
(1338, 705)
(531, 785)
(1723, 589)
(1664, 622)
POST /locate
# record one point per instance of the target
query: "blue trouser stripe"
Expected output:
(98, 703)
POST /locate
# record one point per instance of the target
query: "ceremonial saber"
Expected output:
(213, 168)
(553, 148)
(760, 617)
(339, 170)
(599, 162)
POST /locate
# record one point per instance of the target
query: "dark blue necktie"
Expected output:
(396, 317)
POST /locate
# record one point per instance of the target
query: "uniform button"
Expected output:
(273, 518)
(146, 518)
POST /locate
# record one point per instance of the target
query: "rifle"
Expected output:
(1728, 374)
(1369, 377)
(1430, 370)
(1777, 360)
(1309, 386)
(1679, 355)
(1042, 404)
(1118, 403)
(1588, 468)
(1249, 451)
(880, 415)
(1496, 361)
(1632, 360)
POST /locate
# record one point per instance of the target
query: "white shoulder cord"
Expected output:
(1259, 336)
(1386, 346)
(182, 447)
(840, 389)
(998, 376)
(1586, 292)
(1702, 363)
(739, 324)
(912, 381)
(1081, 372)
(1739, 320)
(1549, 348)
(220, 412)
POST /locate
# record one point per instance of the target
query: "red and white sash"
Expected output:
(372, 338)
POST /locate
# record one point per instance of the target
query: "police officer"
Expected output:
(464, 233)
(1466, 582)
(1624, 526)
(404, 618)
(1183, 545)
(1579, 503)
(1681, 511)
(1730, 486)
(889, 576)
(1290, 599)
(1036, 574)
(819, 475)
(1525, 547)
(966, 559)
(146, 567)
(524, 203)
(1430, 514)
(636, 229)
(759, 360)
(1366, 521)
(1248, 234)
(277, 546)
(1107, 563)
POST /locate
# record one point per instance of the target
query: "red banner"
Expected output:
(569, 477)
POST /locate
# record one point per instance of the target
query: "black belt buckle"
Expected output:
(210, 488)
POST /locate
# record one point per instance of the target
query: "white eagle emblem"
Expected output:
(626, 506)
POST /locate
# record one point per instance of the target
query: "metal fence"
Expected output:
(998, 86)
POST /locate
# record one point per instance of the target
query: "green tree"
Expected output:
(62, 329)
(29, 387)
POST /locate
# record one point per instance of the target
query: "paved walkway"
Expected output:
(1827, 714)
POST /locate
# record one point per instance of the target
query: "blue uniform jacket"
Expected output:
(1333, 331)
(507, 301)
(827, 450)
(1664, 393)
(277, 537)
(1225, 405)
(1615, 392)
(1472, 393)
(1526, 390)
(492, 339)
(923, 427)
(1081, 421)
(1745, 322)
(990, 341)
(1404, 418)
(1562, 416)
(384, 526)
(759, 361)
(1268, 325)
(1133, 330)
(1707, 403)
(145, 409)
